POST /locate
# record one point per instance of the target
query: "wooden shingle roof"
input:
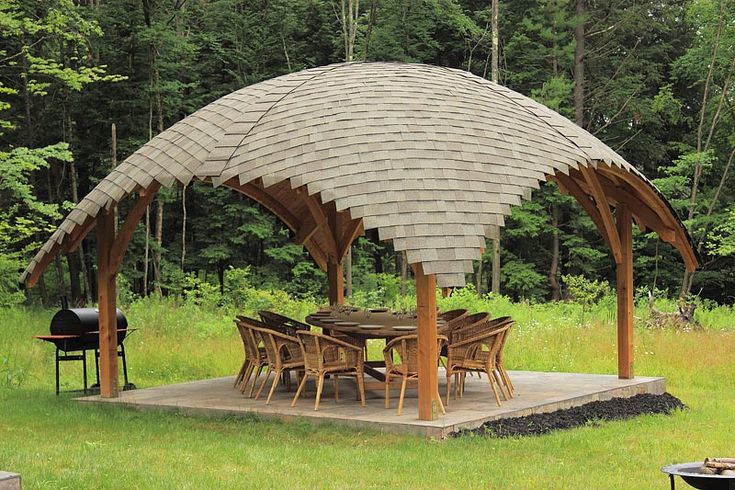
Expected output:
(431, 157)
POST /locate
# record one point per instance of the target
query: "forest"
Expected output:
(84, 83)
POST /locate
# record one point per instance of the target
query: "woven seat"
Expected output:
(255, 357)
(327, 355)
(475, 349)
(407, 350)
(284, 355)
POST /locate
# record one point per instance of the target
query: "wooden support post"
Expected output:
(624, 286)
(427, 365)
(107, 299)
(336, 282)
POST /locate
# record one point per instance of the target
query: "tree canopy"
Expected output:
(653, 80)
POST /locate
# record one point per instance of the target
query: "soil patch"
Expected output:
(543, 423)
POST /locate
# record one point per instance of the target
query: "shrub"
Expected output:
(10, 293)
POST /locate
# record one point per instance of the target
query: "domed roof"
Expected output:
(431, 157)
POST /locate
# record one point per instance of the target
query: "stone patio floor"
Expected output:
(535, 392)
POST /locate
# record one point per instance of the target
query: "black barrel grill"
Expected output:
(74, 331)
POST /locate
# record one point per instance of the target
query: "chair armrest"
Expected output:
(479, 338)
(342, 343)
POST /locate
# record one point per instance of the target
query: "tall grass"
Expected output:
(57, 443)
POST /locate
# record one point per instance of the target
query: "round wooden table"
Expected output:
(391, 325)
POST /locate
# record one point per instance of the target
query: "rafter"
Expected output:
(320, 217)
(79, 234)
(572, 188)
(125, 234)
(642, 213)
(350, 232)
(598, 194)
(306, 230)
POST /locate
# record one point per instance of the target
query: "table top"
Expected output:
(388, 324)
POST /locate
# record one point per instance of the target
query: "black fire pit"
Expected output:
(689, 472)
(74, 331)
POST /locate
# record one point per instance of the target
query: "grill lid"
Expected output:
(78, 321)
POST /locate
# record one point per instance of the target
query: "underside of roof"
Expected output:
(431, 157)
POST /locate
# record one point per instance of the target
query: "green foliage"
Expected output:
(585, 291)
(23, 217)
(10, 295)
(379, 290)
(522, 277)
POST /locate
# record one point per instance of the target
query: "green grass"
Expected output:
(58, 443)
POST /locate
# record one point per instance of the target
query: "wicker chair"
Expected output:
(327, 355)
(462, 322)
(452, 316)
(255, 356)
(284, 355)
(500, 369)
(501, 375)
(281, 323)
(459, 322)
(246, 359)
(475, 349)
(407, 350)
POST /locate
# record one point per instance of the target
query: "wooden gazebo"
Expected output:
(431, 157)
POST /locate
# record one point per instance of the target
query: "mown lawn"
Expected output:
(57, 443)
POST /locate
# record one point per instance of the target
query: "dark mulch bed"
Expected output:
(613, 409)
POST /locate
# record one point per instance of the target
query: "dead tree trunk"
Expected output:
(579, 64)
(495, 286)
(554, 269)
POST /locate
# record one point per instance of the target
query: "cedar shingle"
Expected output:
(432, 157)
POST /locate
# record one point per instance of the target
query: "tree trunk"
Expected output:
(350, 14)
(496, 266)
(495, 42)
(579, 64)
(80, 250)
(183, 227)
(554, 269)
(348, 273)
(478, 277)
(147, 248)
(404, 272)
(159, 242)
(494, 77)
(74, 284)
(369, 31)
(60, 276)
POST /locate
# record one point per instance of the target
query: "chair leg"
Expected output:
(262, 385)
(449, 384)
(361, 387)
(240, 375)
(387, 390)
(246, 378)
(273, 386)
(404, 380)
(506, 378)
(336, 388)
(258, 372)
(439, 399)
(495, 390)
(499, 382)
(319, 386)
(299, 390)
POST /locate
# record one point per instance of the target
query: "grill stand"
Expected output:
(62, 356)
